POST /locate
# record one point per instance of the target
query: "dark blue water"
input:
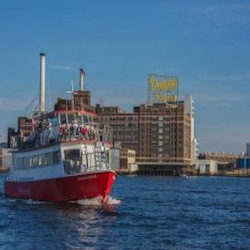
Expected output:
(155, 213)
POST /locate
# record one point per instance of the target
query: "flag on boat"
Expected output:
(83, 73)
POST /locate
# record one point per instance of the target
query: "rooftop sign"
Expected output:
(162, 89)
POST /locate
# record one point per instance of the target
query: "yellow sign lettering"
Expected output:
(162, 88)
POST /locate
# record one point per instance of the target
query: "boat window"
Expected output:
(29, 161)
(72, 154)
(46, 156)
(63, 119)
(40, 160)
(91, 160)
(72, 162)
(50, 158)
(34, 161)
(70, 118)
(56, 156)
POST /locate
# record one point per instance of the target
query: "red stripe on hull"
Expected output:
(67, 188)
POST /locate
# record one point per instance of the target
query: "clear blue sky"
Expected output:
(205, 43)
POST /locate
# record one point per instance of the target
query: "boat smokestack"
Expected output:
(82, 74)
(42, 82)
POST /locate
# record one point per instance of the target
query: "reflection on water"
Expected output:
(89, 218)
(65, 225)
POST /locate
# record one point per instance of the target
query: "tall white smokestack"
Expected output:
(42, 82)
(82, 74)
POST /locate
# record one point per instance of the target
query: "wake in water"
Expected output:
(28, 201)
(108, 206)
(98, 201)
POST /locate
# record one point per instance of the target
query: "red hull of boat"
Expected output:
(67, 188)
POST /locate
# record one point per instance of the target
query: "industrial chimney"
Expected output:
(82, 74)
(42, 82)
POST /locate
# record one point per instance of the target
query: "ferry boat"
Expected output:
(65, 157)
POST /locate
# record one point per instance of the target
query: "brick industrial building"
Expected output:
(160, 134)
(161, 131)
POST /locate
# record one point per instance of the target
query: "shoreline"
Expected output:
(121, 173)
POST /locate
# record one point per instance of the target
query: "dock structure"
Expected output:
(162, 169)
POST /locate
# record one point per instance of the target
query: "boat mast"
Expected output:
(42, 82)
(71, 92)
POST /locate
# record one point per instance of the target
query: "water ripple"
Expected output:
(151, 213)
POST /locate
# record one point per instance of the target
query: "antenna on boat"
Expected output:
(49, 95)
(72, 94)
